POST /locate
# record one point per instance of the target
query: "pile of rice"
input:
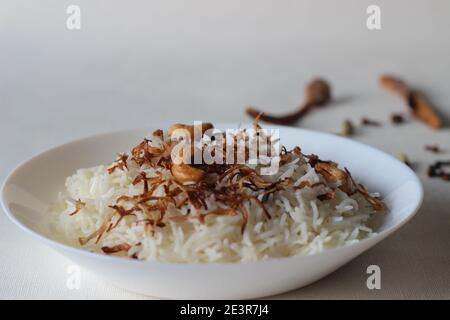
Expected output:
(300, 223)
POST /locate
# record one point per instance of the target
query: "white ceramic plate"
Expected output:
(34, 185)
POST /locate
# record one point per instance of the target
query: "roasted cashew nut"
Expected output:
(184, 173)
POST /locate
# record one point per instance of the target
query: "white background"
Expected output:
(134, 63)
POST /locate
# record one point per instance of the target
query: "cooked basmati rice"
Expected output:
(300, 223)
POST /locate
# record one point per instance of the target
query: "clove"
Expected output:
(397, 118)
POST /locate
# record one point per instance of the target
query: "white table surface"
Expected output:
(139, 62)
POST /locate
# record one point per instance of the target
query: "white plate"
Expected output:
(34, 185)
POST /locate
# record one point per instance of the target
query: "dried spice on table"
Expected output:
(433, 148)
(370, 122)
(397, 118)
(440, 169)
(317, 94)
(416, 102)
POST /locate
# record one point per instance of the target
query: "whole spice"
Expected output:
(437, 170)
(347, 128)
(369, 122)
(417, 104)
(397, 118)
(433, 148)
(403, 158)
(317, 94)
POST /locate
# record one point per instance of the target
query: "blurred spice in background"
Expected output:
(318, 94)
(416, 102)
